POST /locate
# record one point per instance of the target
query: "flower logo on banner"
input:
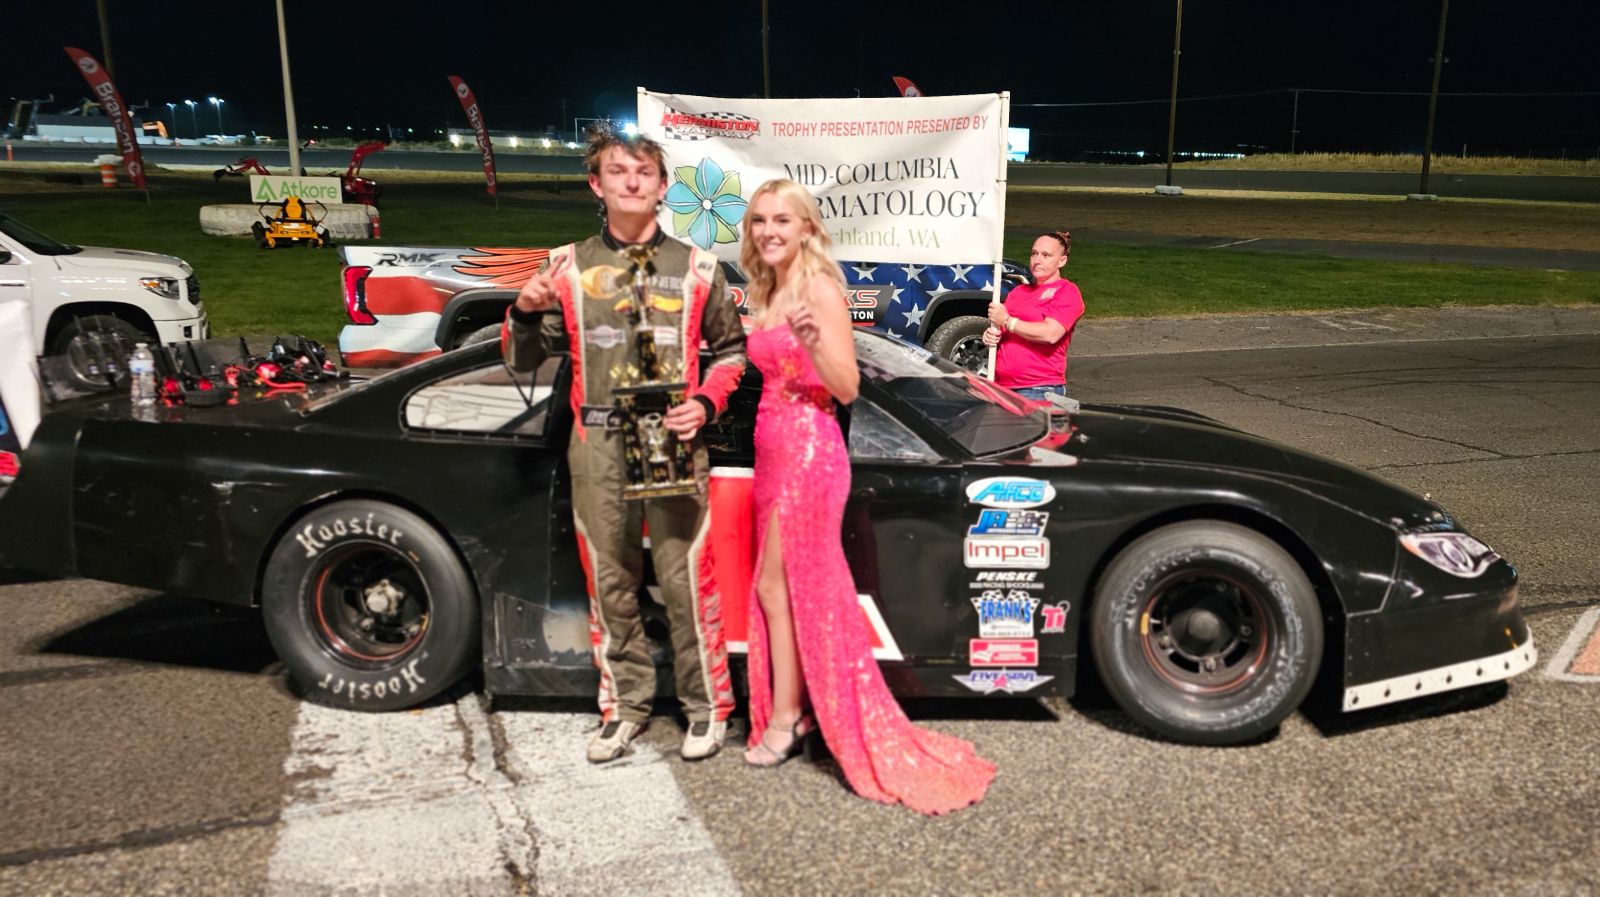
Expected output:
(705, 203)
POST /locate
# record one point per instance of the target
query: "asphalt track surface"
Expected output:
(1477, 186)
(149, 744)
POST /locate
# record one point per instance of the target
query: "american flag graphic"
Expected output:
(913, 288)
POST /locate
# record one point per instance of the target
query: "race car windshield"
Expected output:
(34, 240)
(982, 418)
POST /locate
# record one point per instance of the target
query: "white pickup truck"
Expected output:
(87, 302)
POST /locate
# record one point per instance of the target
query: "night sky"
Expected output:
(375, 65)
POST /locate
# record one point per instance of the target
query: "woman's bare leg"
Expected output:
(788, 686)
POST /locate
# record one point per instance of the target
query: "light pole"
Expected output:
(193, 123)
(172, 116)
(217, 102)
(1172, 109)
(1433, 98)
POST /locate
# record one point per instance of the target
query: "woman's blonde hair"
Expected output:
(816, 255)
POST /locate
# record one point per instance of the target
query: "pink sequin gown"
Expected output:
(802, 476)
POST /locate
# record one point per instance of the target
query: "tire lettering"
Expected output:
(409, 673)
(311, 545)
(380, 689)
(383, 531)
(325, 534)
(339, 528)
(394, 539)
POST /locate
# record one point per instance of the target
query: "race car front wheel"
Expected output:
(1206, 632)
(369, 607)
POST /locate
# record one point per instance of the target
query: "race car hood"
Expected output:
(136, 263)
(1127, 434)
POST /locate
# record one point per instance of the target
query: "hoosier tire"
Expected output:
(369, 607)
(1206, 632)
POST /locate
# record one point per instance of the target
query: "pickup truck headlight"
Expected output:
(1455, 553)
(165, 287)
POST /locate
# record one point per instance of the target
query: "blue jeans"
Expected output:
(1039, 393)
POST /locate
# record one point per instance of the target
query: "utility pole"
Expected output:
(766, 69)
(1172, 113)
(288, 96)
(1294, 127)
(105, 36)
(1433, 97)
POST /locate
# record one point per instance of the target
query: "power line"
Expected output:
(1292, 90)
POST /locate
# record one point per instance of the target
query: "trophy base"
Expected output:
(659, 490)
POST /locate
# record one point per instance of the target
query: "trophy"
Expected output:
(656, 464)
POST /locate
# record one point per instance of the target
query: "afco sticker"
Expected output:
(1010, 492)
(1009, 523)
(987, 682)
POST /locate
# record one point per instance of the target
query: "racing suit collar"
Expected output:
(612, 242)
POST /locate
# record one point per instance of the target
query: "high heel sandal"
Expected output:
(799, 735)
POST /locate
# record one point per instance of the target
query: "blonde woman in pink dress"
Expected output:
(808, 642)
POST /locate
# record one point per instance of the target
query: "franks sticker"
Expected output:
(1009, 523)
(1005, 614)
(1011, 492)
(987, 682)
(1003, 652)
(1007, 551)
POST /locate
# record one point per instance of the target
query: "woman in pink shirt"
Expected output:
(1034, 327)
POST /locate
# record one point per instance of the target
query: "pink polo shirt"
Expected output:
(1022, 362)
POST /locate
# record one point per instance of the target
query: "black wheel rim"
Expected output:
(369, 605)
(970, 352)
(1206, 632)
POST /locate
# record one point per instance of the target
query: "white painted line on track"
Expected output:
(415, 803)
(1234, 243)
(1586, 629)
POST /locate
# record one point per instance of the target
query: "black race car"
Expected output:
(401, 531)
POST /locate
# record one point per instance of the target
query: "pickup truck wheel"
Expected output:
(1206, 632)
(88, 341)
(369, 607)
(482, 335)
(960, 340)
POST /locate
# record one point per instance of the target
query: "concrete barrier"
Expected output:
(352, 221)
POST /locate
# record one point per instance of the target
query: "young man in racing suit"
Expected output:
(581, 298)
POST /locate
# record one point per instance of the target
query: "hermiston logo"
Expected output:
(701, 125)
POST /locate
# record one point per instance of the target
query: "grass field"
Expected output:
(249, 290)
(1443, 164)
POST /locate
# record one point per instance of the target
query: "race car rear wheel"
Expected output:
(1206, 632)
(961, 340)
(369, 607)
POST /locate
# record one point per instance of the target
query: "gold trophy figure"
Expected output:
(657, 464)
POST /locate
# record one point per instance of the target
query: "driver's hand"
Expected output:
(685, 420)
(538, 294)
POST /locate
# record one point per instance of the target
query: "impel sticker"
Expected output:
(988, 682)
(1006, 551)
(1011, 492)
(1005, 652)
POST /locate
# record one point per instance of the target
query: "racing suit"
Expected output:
(688, 302)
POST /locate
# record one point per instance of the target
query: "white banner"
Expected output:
(19, 387)
(918, 180)
(273, 188)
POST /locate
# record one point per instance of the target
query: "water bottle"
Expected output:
(142, 371)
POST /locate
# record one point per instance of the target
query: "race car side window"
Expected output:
(486, 400)
(877, 436)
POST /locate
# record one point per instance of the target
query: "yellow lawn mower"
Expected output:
(292, 222)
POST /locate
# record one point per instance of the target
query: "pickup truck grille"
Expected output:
(193, 285)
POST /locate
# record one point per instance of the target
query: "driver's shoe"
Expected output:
(612, 740)
(703, 739)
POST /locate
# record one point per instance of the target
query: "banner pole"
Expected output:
(1000, 219)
